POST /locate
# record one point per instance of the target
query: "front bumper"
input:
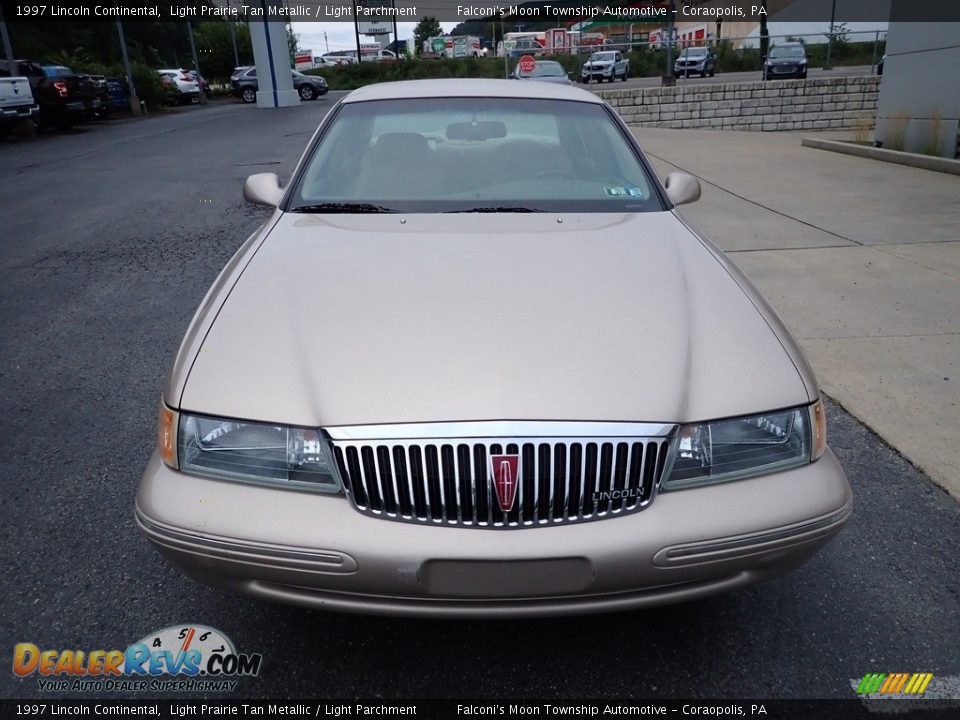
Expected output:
(786, 71)
(606, 71)
(317, 551)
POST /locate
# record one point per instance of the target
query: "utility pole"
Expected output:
(396, 38)
(580, 50)
(134, 101)
(325, 41)
(196, 65)
(233, 40)
(833, 16)
(503, 39)
(668, 80)
(356, 28)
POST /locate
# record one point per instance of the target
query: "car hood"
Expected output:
(344, 319)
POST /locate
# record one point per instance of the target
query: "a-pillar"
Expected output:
(272, 57)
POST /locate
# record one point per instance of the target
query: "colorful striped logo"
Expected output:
(894, 683)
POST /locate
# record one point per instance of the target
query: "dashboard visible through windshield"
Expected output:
(474, 155)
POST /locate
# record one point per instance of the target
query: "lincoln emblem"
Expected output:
(505, 474)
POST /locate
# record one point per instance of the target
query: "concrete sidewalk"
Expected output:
(861, 258)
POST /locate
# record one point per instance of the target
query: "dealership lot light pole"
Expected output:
(134, 101)
(668, 79)
(833, 16)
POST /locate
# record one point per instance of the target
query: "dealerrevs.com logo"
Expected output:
(178, 658)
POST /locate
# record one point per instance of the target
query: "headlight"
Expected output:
(742, 447)
(803, 62)
(262, 453)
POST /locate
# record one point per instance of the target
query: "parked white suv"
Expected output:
(183, 82)
(605, 65)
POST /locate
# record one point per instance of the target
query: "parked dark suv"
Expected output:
(244, 82)
(785, 61)
(695, 61)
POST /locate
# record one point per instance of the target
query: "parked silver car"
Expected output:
(528, 388)
(544, 71)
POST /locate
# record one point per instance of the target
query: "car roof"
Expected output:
(404, 89)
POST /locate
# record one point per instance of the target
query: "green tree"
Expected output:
(293, 43)
(215, 48)
(427, 28)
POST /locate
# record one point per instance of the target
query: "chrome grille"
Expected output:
(446, 480)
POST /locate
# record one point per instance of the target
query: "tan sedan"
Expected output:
(475, 364)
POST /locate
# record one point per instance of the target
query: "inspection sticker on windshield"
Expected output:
(625, 191)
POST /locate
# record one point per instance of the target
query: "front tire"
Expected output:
(248, 95)
(307, 92)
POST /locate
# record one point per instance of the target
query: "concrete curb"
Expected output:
(924, 162)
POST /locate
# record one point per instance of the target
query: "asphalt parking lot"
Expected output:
(110, 238)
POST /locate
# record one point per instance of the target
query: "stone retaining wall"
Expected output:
(812, 104)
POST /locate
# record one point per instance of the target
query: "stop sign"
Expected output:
(527, 64)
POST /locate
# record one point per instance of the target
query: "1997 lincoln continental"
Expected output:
(475, 364)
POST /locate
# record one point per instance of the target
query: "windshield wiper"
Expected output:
(506, 209)
(342, 207)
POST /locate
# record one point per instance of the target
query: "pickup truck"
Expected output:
(16, 102)
(606, 65)
(64, 97)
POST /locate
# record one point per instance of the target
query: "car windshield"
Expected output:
(695, 52)
(602, 56)
(545, 68)
(789, 51)
(473, 154)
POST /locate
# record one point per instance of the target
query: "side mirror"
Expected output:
(763, 58)
(263, 189)
(682, 188)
